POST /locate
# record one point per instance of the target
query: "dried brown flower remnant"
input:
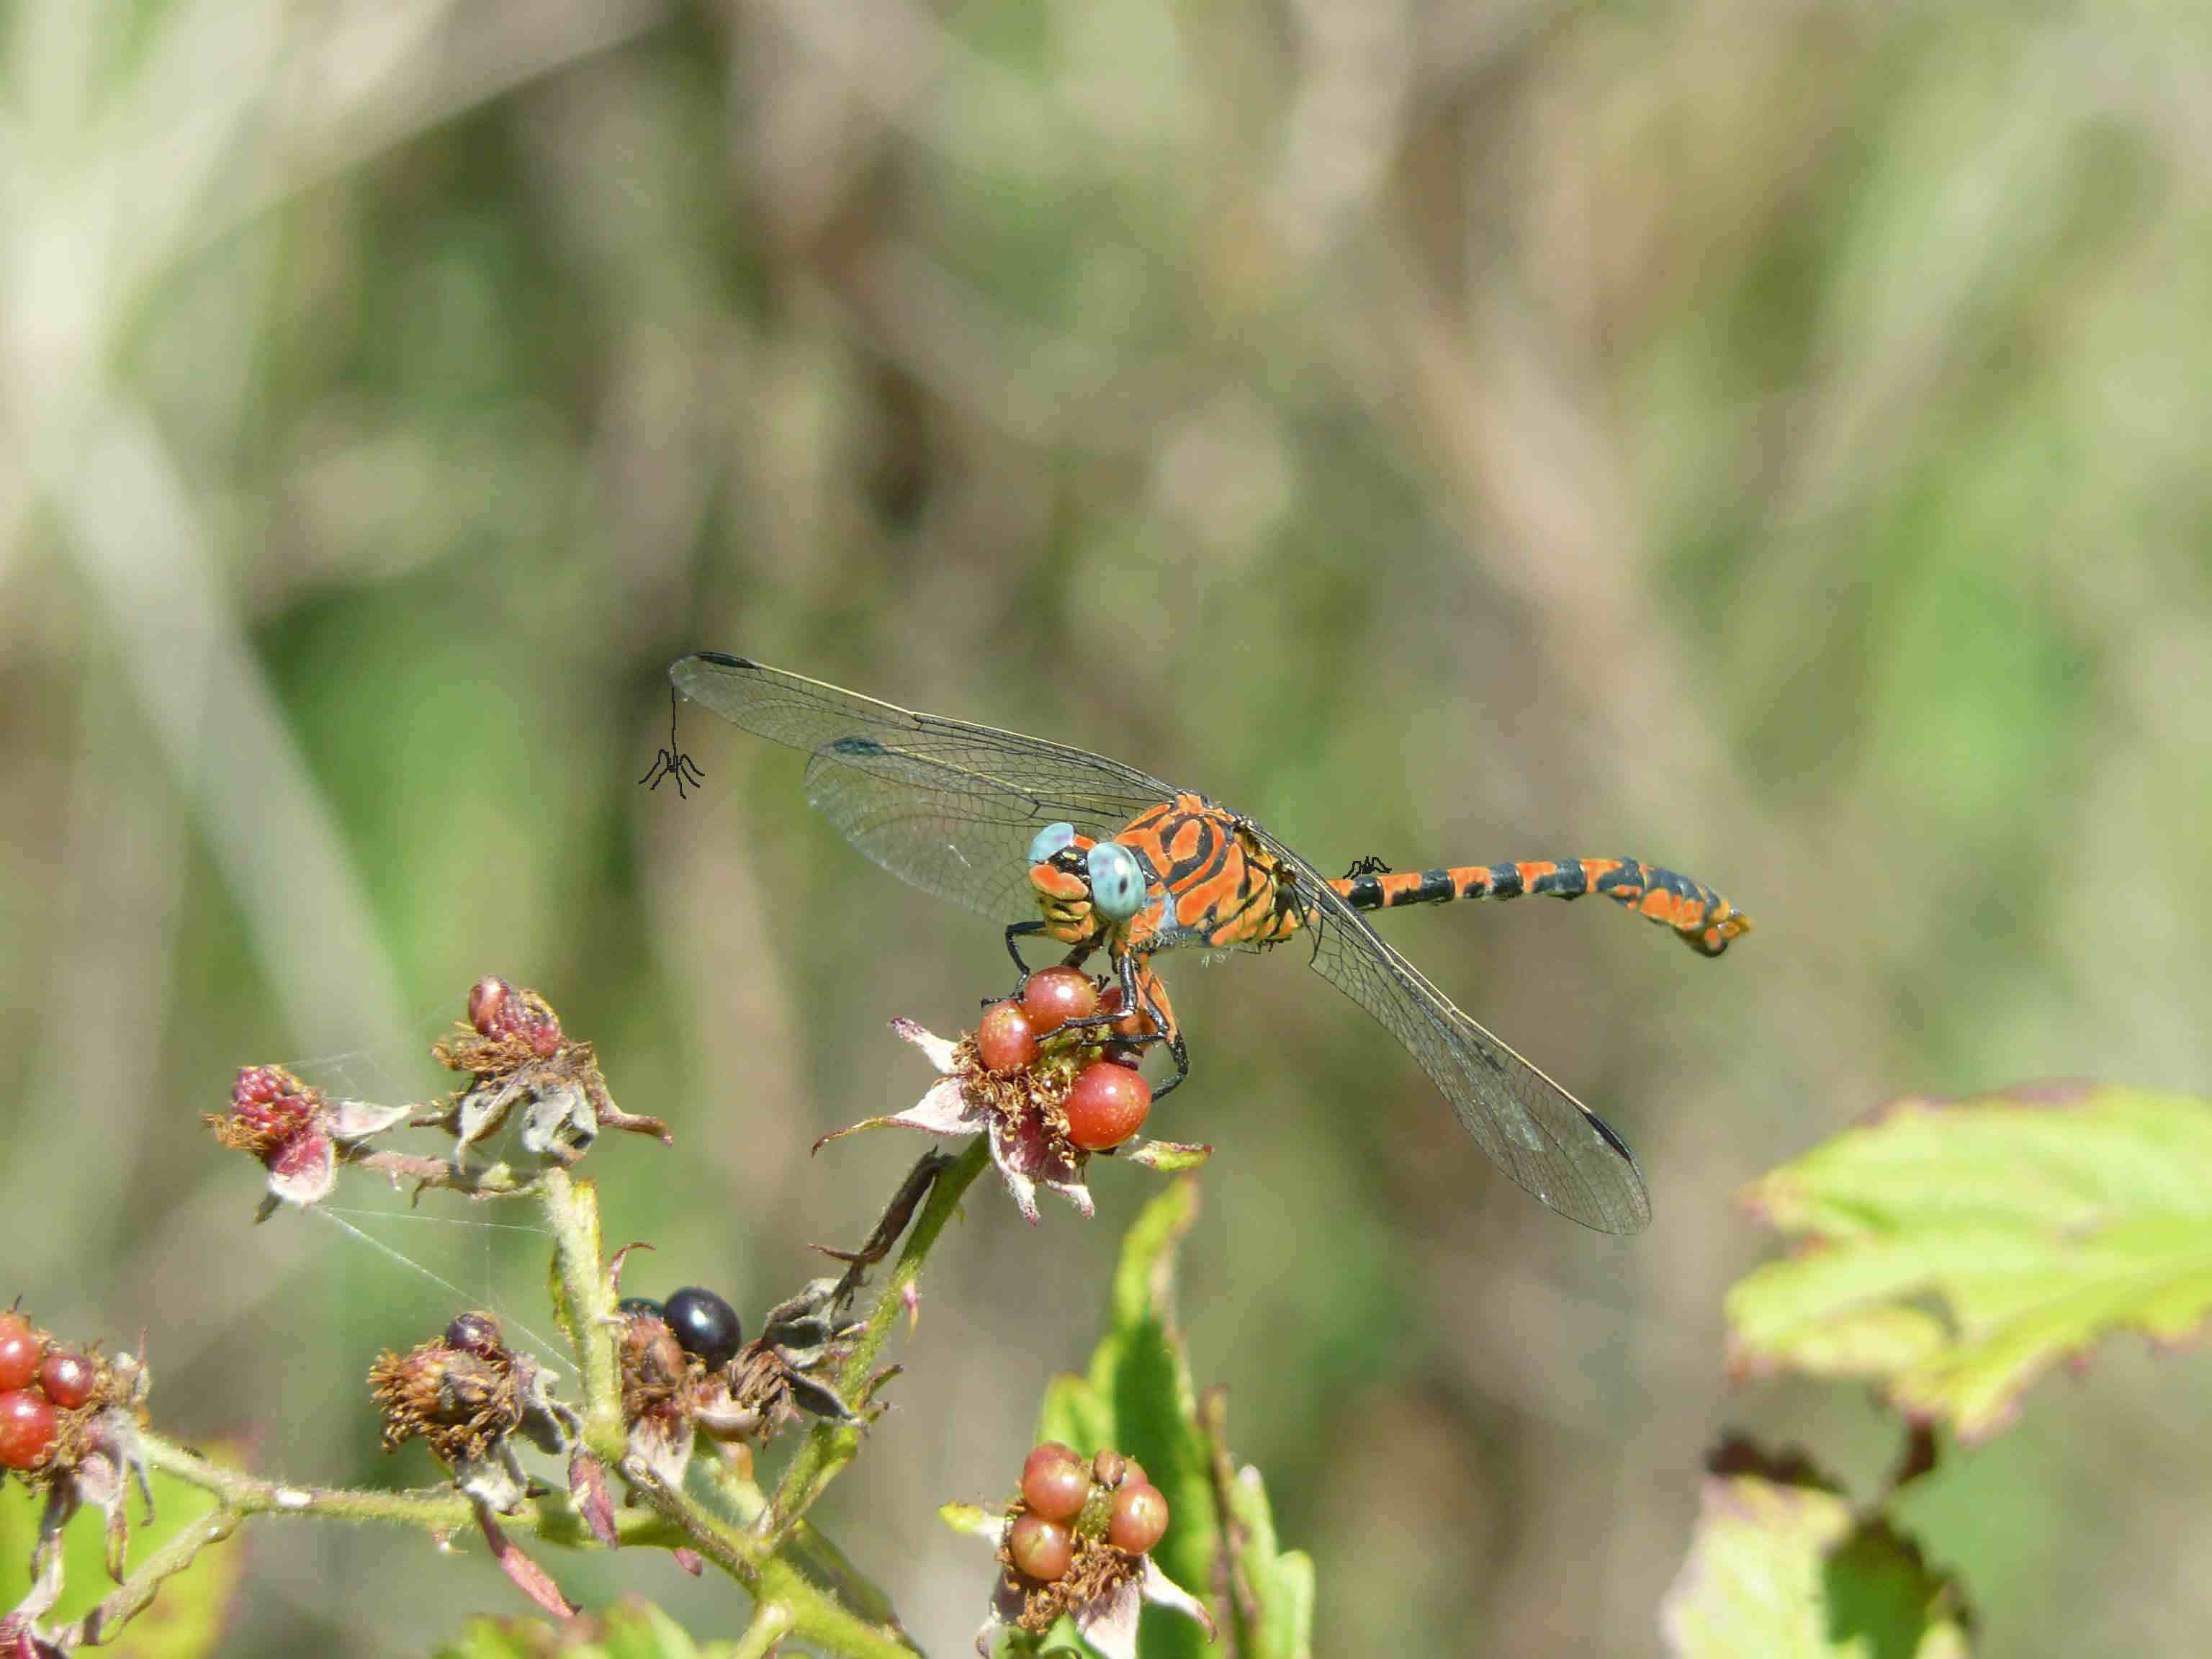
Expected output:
(659, 1382)
(461, 1403)
(515, 1051)
(466, 1396)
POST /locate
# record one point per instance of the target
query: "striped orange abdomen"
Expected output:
(1701, 918)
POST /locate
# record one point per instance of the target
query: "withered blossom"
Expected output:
(466, 1396)
(294, 1131)
(515, 1051)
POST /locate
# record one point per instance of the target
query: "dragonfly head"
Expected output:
(1085, 888)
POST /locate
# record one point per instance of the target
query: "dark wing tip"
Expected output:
(1611, 1139)
(1638, 1216)
(720, 659)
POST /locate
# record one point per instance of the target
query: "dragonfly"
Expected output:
(1104, 856)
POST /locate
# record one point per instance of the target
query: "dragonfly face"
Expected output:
(1092, 892)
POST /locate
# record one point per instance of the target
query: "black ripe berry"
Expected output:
(706, 1325)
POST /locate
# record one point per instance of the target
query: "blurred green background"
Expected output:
(1766, 439)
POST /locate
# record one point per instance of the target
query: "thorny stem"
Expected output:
(786, 1601)
(492, 1180)
(825, 1621)
(830, 1446)
(710, 1484)
(728, 1546)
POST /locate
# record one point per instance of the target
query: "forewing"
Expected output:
(943, 804)
(1549, 1142)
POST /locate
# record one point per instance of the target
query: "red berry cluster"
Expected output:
(1108, 1100)
(38, 1383)
(1071, 1504)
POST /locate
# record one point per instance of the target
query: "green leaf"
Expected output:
(972, 1520)
(1168, 1157)
(1282, 1584)
(187, 1617)
(633, 1629)
(1954, 1250)
(1780, 1565)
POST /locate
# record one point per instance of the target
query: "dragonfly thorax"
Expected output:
(1208, 881)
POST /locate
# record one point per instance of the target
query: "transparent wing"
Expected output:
(945, 804)
(1549, 1142)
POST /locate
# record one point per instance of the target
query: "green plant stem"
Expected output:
(572, 1210)
(821, 1619)
(727, 1544)
(830, 1446)
(439, 1510)
(772, 1622)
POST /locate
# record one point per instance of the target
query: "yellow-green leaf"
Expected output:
(1780, 1567)
(972, 1520)
(187, 1617)
(1954, 1250)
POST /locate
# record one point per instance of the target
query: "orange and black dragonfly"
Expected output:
(1106, 857)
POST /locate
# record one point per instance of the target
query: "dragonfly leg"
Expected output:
(1016, 930)
(1163, 1018)
(1136, 987)
(1182, 1056)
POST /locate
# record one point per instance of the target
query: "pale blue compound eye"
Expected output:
(1050, 840)
(1117, 881)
